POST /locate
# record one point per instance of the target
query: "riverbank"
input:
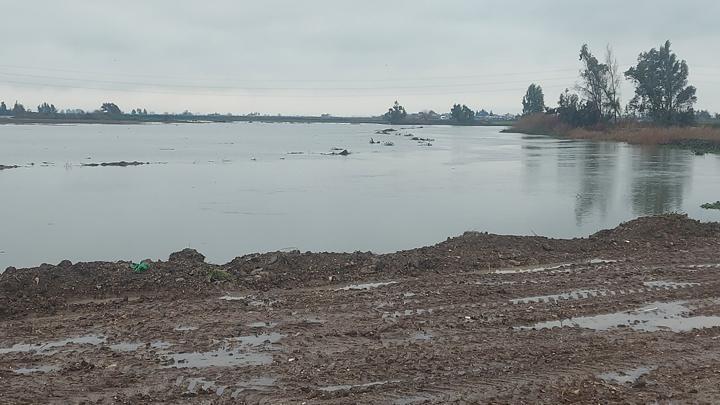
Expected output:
(458, 321)
(699, 139)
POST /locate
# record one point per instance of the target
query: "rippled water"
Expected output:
(230, 189)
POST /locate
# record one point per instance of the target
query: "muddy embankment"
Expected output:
(49, 288)
(628, 315)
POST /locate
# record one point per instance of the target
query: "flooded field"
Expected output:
(228, 189)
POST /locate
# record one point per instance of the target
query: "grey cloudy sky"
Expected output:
(333, 56)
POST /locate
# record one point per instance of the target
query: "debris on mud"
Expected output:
(4, 167)
(116, 164)
(343, 152)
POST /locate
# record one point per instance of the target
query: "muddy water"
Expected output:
(229, 189)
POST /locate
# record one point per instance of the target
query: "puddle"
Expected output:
(626, 376)
(262, 325)
(701, 266)
(668, 284)
(333, 388)
(258, 340)
(571, 295)
(558, 267)
(365, 286)
(654, 317)
(407, 312)
(185, 328)
(40, 369)
(246, 354)
(159, 344)
(312, 321)
(601, 261)
(198, 383)
(422, 336)
(44, 348)
(534, 270)
(232, 298)
(255, 384)
(126, 347)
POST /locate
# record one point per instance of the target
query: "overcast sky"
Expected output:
(333, 56)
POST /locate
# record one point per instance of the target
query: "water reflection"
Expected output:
(597, 164)
(659, 177)
(604, 176)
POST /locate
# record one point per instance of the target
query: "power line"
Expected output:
(464, 91)
(256, 88)
(299, 80)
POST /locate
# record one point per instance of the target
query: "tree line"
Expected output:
(662, 94)
(45, 109)
(460, 113)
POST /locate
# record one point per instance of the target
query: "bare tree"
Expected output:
(600, 84)
(612, 87)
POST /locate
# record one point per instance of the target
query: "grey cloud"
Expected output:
(429, 48)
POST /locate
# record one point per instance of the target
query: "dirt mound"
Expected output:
(670, 226)
(187, 255)
(48, 287)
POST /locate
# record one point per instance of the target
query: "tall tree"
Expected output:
(18, 108)
(3, 108)
(110, 108)
(534, 100)
(395, 114)
(612, 86)
(661, 87)
(600, 84)
(462, 113)
(46, 108)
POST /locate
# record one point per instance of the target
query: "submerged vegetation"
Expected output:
(711, 206)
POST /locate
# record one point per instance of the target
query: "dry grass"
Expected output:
(649, 135)
(628, 131)
(540, 124)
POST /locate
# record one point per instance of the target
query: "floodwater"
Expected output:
(672, 316)
(232, 189)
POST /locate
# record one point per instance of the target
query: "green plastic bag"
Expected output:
(141, 267)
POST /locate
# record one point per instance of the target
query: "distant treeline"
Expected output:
(112, 113)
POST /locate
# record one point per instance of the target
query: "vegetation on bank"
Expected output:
(711, 206)
(661, 111)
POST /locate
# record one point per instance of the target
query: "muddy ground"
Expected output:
(627, 315)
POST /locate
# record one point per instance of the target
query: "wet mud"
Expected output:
(628, 315)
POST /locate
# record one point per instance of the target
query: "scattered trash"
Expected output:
(388, 143)
(141, 267)
(118, 164)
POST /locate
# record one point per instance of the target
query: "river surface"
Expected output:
(232, 189)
